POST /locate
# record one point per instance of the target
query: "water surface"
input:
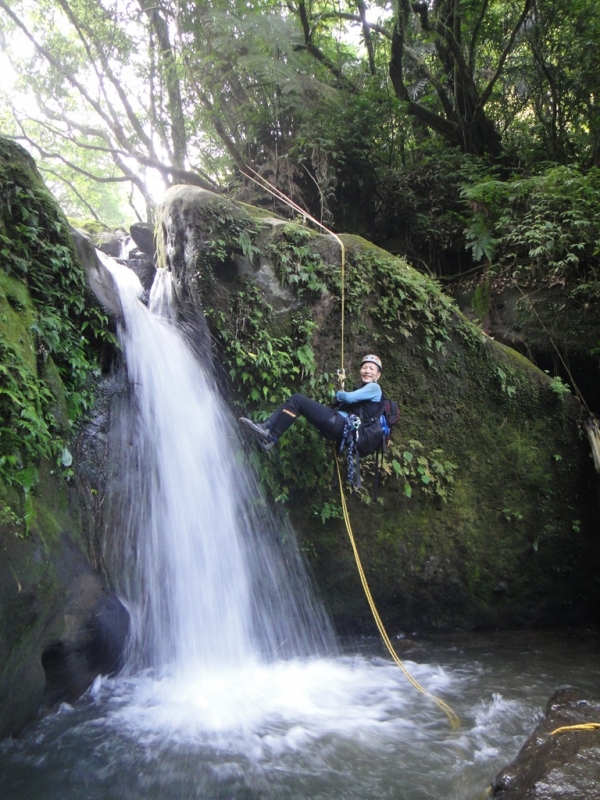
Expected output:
(307, 729)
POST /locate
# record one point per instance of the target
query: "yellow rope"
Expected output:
(342, 371)
(450, 713)
(265, 184)
(584, 726)
(259, 180)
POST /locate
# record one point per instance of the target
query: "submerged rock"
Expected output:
(563, 766)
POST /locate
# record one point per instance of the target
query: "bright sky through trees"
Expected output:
(117, 99)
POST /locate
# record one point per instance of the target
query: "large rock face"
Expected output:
(59, 624)
(488, 515)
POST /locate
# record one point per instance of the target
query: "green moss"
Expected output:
(257, 213)
(16, 318)
(51, 330)
(46, 525)
(89, 225)
(481, 300)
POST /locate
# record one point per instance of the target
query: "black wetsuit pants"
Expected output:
(328, 422)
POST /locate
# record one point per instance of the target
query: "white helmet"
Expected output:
(374, 360)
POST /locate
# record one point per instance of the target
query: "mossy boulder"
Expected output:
(59, 624)
(557, 327)
(488, 512)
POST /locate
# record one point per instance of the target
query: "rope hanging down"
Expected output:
(450, 713)
(266, 185)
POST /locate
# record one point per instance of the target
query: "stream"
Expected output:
(307, 729)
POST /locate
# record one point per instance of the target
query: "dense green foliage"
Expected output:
(344, 106)
(487, 513)
(266, 360)
(543, 229)
(50, 328)
(453, 133)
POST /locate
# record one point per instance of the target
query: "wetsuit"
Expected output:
(330, 422)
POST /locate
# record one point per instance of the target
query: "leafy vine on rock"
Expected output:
(48, 321)
(267, 368)
(298, 265)
(267, 364)
(227, 233)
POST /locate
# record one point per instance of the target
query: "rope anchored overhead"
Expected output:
(256, 178)
(263, 183)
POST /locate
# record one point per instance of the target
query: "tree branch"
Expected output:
(116, 129)
(182, 175)
(59, 157)
(485, 96)
(367, 35)
(446, 127)
(219, 127)
(315, 52)
(425, 72)
(174, 101)
(354, 18)
(475, 36)
(107, 71)
(72, 188)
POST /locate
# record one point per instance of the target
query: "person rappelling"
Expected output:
(362, 403)
(360, 422)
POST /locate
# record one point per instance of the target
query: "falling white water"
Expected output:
(127, 245)
(208, 589)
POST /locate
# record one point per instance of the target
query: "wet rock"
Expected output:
(59, 627)
(93, 643)
(99, 278)
(143, 266)
(186, 236)
(53, 595)
(563, 766)
(109, 243)
(476, 546)
(142, 234)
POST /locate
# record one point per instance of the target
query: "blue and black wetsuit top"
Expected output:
(364, 401)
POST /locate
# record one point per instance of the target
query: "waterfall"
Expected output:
(211, 579)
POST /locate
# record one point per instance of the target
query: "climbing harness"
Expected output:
(349, 437)
(348, 443)
(450, 713)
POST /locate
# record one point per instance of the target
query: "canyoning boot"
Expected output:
(255, 428)
(261, 433)
(266, 444)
